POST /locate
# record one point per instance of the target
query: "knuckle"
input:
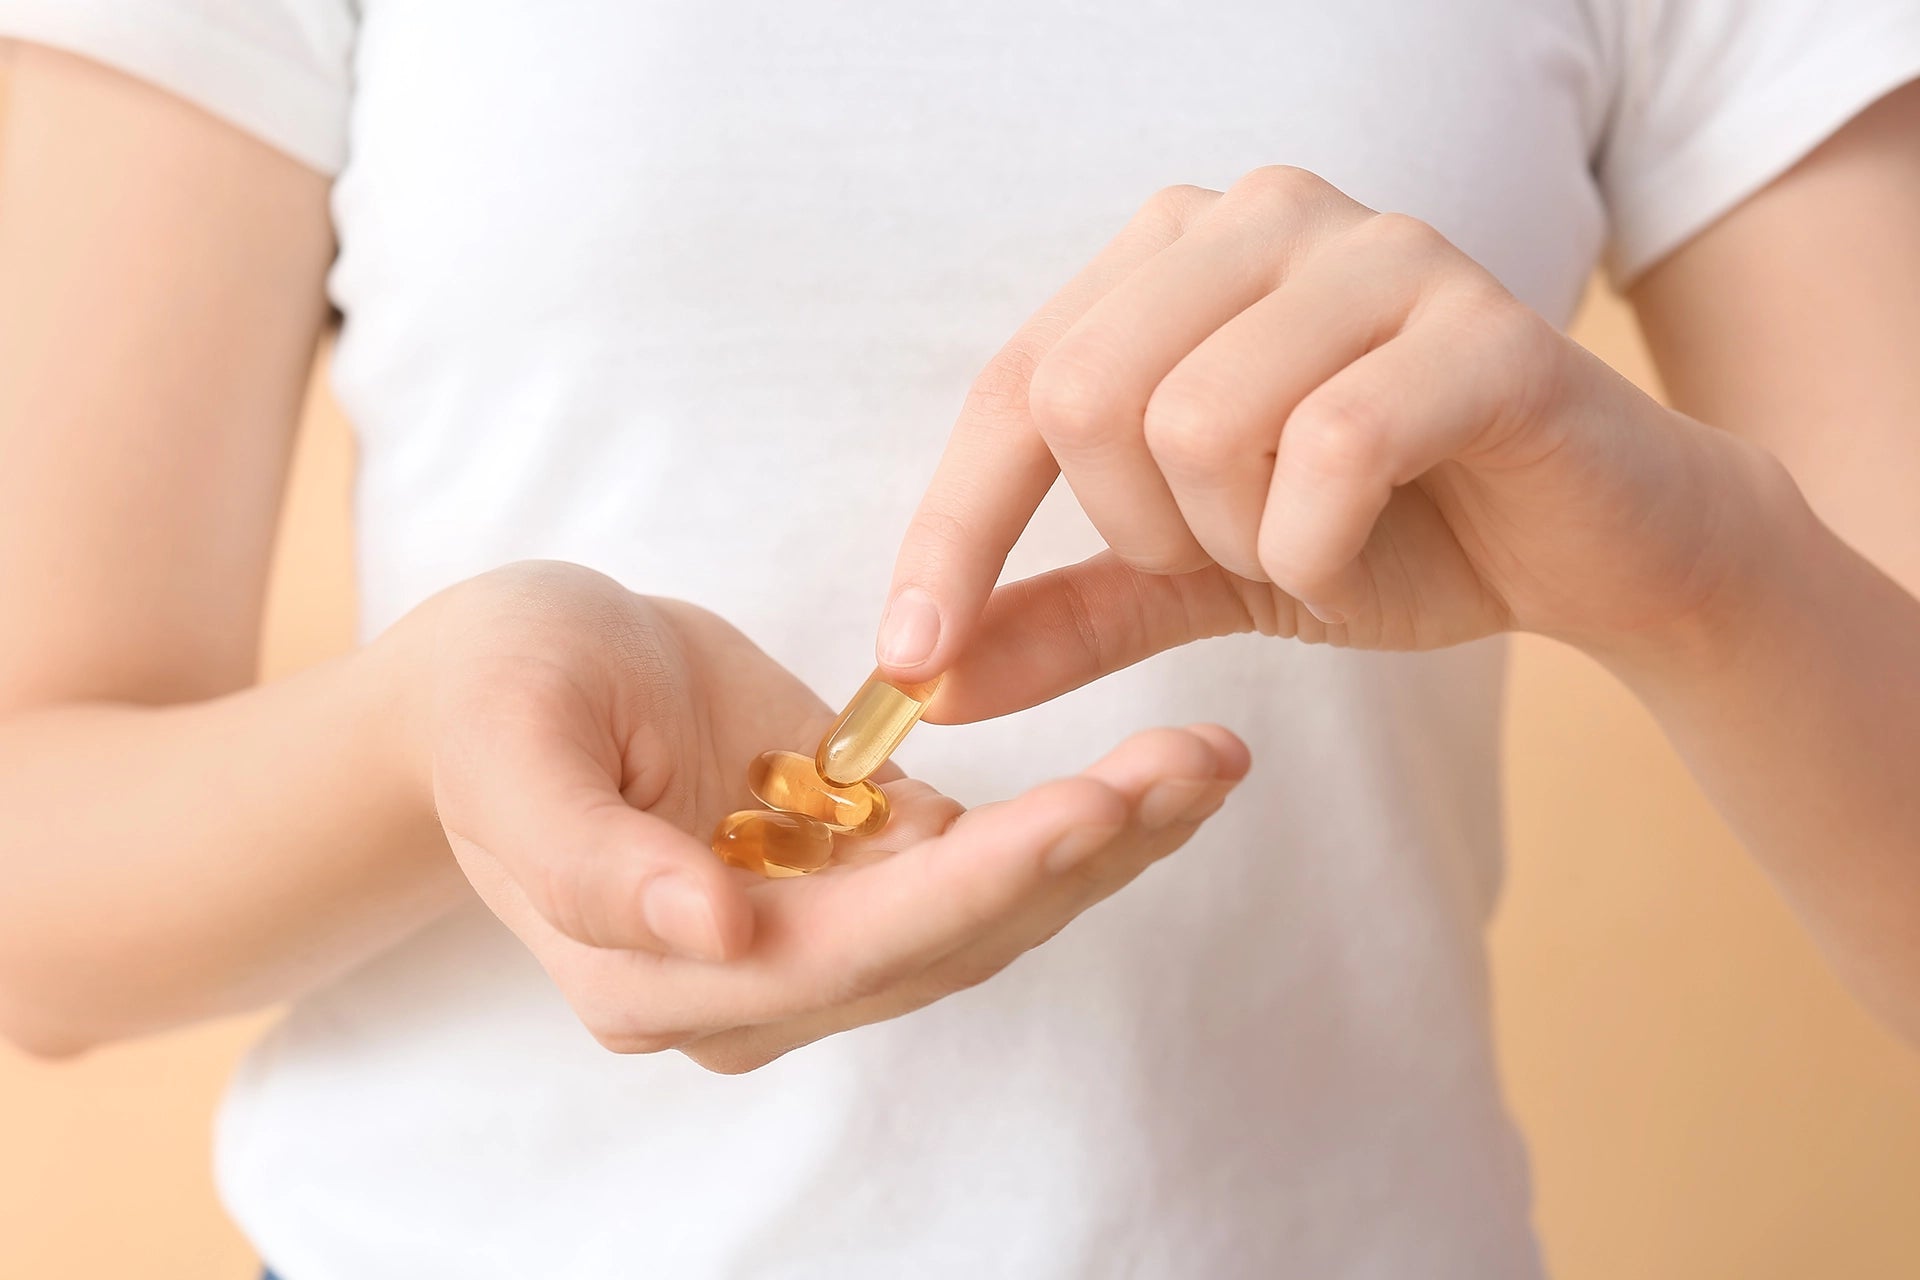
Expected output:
(1337, 440)
(1071, 401)
(940, 533)
(1515, 331)
(1087, 881)
(1521, 346)
(1084, 619)
(1403, 236)
(1282, 184)
(1179, 203)
(1185, 432)
(1016, 361)
(864, 977)
(1095, 879)
(557, 885)
(1000, 390)
(1203, 422)
(997, 395)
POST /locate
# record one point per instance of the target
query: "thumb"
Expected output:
(598, 869)
(1043, 636)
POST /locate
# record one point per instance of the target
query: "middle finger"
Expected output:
(1090, 397)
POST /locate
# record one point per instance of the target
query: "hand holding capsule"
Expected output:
(1286, 412)
(582, 742)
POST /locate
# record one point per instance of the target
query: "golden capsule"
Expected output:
(772, 844)
(787, 781)
(874, 724)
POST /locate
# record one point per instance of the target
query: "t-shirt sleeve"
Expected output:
(1716, 98)
(279, 69)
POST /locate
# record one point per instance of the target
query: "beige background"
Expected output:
(1703, 1101)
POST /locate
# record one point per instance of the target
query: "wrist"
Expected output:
(1758, 541)
(395, 679)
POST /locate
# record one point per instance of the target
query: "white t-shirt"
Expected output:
(627, 282)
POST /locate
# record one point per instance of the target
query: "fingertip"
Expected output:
(1158, 754)
(700, 913)
(960, 696)
(733, 922)
(910, 631)
(914, 661)
(919, 812)
(1232, 757)
(729, 892)
(919, 673)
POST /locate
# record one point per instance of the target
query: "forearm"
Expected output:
(164, 864)
(1796, 702)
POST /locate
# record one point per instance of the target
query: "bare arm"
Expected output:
(175, 843)
(171, 846)
(1342, 429)
(1795, 322)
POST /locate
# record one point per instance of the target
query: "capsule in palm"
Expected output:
(874, 724)
(789, 782)
(772, 844)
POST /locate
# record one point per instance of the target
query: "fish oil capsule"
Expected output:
(788, 781)
(871, 728)
(772, 844)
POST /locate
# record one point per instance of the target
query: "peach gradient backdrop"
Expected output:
(1703, 1100)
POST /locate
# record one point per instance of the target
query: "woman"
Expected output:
(676, 292)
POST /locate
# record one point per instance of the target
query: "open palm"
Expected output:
(585, 741)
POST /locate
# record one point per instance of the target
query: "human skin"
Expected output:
(1288, 413)
(178, 841)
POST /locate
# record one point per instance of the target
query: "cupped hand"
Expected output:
(1286, 412)
(583, 741)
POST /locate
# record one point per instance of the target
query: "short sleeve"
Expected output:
(279, 69)
(1716, 98)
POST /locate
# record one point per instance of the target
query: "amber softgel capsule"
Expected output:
(809, 800)
(872, 727)
(772, 844)
(787, 781)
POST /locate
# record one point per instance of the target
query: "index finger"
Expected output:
(996, 468)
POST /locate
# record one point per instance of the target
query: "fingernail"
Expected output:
(1166, 802)
(1332, 617)
(909, 630)
(678, 912)
(1078, 845)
